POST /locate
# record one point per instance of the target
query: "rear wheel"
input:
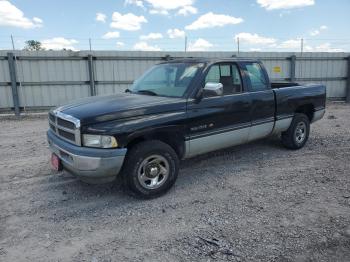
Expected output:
(151, 168)
(298, 133)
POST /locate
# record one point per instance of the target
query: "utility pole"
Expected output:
(90, 43)
(13, 43)
(302, 46)
(237, 45)
(185, 43)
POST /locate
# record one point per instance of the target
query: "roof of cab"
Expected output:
(207, 60)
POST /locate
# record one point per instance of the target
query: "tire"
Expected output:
(298, 132)
(150, 169)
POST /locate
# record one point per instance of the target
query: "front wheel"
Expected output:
(298, 132)
(151, 168)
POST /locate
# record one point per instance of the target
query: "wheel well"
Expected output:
(173, 139)
(308, 110)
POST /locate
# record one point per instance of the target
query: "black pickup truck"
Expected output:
(176, 110)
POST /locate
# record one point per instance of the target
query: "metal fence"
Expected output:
(37, 80)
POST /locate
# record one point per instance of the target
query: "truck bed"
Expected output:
(289, 100)
(283, 84)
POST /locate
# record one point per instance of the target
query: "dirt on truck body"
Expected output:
(256, 202)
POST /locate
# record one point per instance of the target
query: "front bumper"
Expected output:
(93, 165)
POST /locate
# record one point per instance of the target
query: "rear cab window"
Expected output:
(256, 77)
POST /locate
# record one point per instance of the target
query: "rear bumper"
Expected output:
(93, 165)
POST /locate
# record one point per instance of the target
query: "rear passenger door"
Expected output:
(219, 121)
(262, 100)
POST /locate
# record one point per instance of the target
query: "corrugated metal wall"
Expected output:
(50, 78)
(5, 89)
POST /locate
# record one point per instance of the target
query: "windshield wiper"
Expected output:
(147, 92)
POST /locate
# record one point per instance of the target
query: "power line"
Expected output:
(220, 44)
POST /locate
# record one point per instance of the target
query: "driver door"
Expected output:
(219, 121)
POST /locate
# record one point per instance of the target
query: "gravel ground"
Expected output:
(256, 202)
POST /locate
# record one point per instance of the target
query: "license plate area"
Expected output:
(56, 163)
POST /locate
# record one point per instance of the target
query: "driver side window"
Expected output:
(226, 74)
(213, 75)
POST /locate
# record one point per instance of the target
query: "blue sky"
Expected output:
(260, 25)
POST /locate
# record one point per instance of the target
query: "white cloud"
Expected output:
(169, 5)
(290, 44)
(255, 49)
(187, 10)
(284, 4)
(200, 45)
(100, 17)
(176, 33)
(143, 46)
(10, 15)
(120, 44)
(162, 7)
(128, 22)
(158, 12)
(138, 3)
(110, 35)
(316, 32)
(210, 20)
(37, 20)
(254, 39)
(151, 36)
(295, 44)
(325, 47)
(59, 43)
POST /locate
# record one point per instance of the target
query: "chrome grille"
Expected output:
(65, 123)
(66, 135)
(65, 126)
(52, 117)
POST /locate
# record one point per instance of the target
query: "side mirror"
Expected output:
(213, 89)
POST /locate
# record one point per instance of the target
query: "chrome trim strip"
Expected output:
(280, 117)
(263, 121)
(219, 131)
(231, 128)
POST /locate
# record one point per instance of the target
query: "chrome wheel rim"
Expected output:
(153, 171)
(300, 132)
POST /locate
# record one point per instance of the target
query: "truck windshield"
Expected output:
(171, 79)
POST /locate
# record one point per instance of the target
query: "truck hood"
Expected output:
(106, 108)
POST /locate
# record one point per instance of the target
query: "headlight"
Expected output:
(99, 141)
